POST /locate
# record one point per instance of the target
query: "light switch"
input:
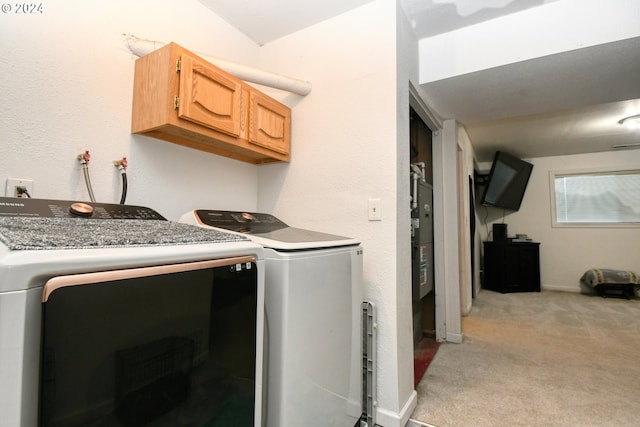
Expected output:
(375, 214)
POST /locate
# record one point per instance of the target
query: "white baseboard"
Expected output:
(392, 419)
(416, 423)
(560, 288)
(454, 338)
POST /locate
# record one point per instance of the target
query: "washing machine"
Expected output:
(313, 295)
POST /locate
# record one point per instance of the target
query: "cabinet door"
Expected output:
(270, 123)
(208, 97)
(529, 267)
(494, 265)
(522, 268)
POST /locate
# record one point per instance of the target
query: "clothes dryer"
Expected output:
(313, 295)
(112, 315)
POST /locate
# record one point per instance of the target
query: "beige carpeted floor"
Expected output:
(538, 359)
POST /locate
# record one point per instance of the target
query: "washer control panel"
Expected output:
(47, 208)
(268, 230)
(243, 222)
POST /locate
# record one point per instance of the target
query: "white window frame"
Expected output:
(590, 171)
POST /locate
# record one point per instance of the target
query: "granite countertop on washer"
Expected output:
(28, 233)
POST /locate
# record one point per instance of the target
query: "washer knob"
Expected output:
(247, 216)
(81, 209)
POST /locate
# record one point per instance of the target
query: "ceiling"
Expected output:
(568, 103)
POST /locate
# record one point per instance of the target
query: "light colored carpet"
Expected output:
(538, 359)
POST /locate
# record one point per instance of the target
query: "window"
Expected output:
(594, 199)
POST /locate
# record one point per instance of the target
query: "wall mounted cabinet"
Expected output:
(181, 98)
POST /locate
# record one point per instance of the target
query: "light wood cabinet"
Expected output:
(181, 98)
(270, 123)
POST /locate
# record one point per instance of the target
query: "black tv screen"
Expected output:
(507, 182)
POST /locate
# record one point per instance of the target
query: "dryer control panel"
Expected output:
(47, 208)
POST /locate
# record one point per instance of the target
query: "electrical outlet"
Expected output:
(14, 183)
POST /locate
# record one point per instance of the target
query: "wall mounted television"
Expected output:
(507, 182)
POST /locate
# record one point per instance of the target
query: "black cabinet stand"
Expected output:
(512, 266)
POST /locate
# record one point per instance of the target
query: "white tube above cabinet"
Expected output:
(141, 47)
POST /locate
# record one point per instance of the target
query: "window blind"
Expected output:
(611, 197)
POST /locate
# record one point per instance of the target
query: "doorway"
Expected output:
(421, 158)
(422, 245)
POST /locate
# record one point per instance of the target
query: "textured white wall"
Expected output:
(345, 151)
(67, 87)
(406, 73)
(566, 253)
(467, 166)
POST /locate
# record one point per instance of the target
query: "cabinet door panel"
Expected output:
(529, 268)
(511, 267)
(208, 97)
(270, 123)
(513, 274)
(493, 267)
